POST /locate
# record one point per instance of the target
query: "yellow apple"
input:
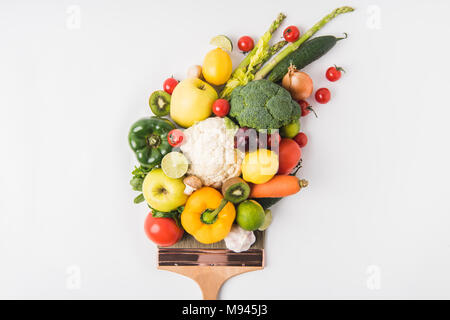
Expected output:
(192, 101)
(163, 193)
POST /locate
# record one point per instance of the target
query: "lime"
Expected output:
(250, 215)
(222, 42)
(267, 220)
(174, 164)
(290, 130)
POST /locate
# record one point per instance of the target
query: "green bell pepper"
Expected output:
(148, 140)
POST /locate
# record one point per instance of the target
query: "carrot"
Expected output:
(279, 186)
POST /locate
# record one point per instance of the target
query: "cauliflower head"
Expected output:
(262, 104)
(209, 147)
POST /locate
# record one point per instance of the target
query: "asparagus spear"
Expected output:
(293, 46)
(262, 46)
(273, 50)
(240, 75)
(274, 26)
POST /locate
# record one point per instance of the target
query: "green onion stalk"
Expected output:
(294, 46)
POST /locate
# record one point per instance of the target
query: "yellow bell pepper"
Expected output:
(207, 216)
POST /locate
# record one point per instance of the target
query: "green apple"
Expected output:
(192, 101)
(163, 193)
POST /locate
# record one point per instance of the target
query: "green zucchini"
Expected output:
(266, 203)
(308, 52)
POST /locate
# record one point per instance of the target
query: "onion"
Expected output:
(298, 83)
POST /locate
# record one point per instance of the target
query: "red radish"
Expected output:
(170, 84)
(323, 95)
(301, 139)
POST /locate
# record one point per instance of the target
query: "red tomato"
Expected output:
(175, 137)
(304, 105)
(221, 107)
(162, 231)
(301, 139)
(170, 84)
(289, 156)
(291, 34)
(245, 44)
(323, 95)
(334, 73)
(306, 108)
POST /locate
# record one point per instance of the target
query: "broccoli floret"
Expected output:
(262, 104)
(258, 118)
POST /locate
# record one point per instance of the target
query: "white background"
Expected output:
(374, 222)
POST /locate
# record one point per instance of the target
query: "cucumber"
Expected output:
(310, 51)
(266, 203)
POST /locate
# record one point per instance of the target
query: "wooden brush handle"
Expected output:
(209, 278)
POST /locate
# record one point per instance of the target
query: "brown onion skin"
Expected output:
(299, 84)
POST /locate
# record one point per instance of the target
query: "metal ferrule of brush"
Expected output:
(210, 257)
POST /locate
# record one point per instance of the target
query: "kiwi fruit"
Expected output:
(160, 103)
(235, 190)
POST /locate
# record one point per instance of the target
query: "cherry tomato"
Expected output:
(162, 231)
(323, 95)
(170, 84)
(175, 137)
(304, 105)
(245, 44)
(221, 107)
(291, 34)
(306, 108)
(301, 139)
(334, 73)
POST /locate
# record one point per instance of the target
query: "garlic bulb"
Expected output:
(194, 72)
(239, 240)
